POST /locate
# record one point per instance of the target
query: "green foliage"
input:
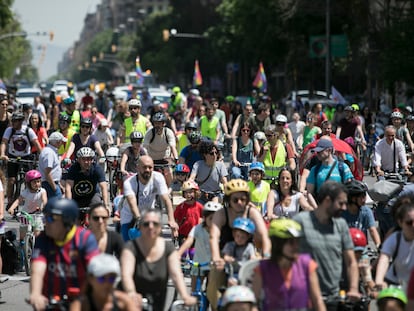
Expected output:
(6, 15)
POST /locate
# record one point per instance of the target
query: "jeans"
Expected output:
(239, 172)
(50, 193)
(124, 231)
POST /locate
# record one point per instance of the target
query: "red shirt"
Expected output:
(187, 216)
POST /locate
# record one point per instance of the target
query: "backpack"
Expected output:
(10, 252)
(153, 135)
(19, 142)
(340, 168)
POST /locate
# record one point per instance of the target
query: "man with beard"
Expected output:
(140, 192)
(326, 238)
(136, 122)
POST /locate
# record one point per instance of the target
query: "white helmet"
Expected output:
(212, 206)
(260, 136)
(134, 103)
(238, 293)
(397, 114)
(85, 152)
(281, 118)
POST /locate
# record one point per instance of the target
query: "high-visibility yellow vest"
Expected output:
(209, 128)
(272, 168)
(140, 125)
(182, 142)
(258, 195)
(65, 146)
(75, 119)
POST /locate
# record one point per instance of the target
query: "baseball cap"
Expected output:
(322, 145)
(104, 122)
(57, 136)
(104, 264)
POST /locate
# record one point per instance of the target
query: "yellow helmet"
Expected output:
(285, 228)
(236, 185)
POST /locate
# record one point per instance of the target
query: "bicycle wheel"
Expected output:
(28, 250)
(113, 186)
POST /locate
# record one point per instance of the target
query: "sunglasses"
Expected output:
(246, 131)
(134, 108)
(146, 224)
(409, 222)
(97, 218)
(237, 199)
(280, 123)
(85, 127)
(106, 279)
(269, 135)
(136, 141)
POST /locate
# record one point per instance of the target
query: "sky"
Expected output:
(64, 17)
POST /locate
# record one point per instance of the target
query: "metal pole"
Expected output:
(13, 34)
(328, 49)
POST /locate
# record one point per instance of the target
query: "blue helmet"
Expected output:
(69, 100)
(258, 166)
(244, 224)
(68, 209)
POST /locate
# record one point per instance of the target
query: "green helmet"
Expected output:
(285, 228)
(393, 292)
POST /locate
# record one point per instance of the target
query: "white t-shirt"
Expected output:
(32, 200)
(19, 143)
(404, 261)
(147, 194)
(160, 147)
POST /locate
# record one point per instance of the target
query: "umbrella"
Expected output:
(340, 147)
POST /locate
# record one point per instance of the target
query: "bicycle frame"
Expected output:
(199, 293)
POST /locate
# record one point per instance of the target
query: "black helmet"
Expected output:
(17, 116)
(136, 136)
(371, 126)
(194, 137)
(64, 117)
(67, 208)
(159, 117)
(191, 126)
(86, 121)
(356, 187)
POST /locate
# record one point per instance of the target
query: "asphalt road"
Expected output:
(16, 289)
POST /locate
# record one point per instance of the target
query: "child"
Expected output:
(188, 214)
(32, 199)
(241, 249)
(239, 298)
(259, 189)
(201, 235)
(182, 172)
(365, 275)
(288, 278)
(392, 299)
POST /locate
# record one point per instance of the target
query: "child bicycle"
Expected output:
(198, 292)
(33, 221)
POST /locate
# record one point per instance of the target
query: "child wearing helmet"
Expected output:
(393, 299)
(188, 214)
(199, 236)
(240, 250)
(288, 280)
(32, 199)
(181, 174)
(259, 189)
(401, 132)
(357, 214)
(239, 298)
(190, 154)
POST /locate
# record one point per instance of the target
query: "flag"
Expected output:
(2, 85)
(260, 81)
(197, 78)
(138, 70)
(337, 97)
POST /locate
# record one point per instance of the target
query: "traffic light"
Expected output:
(165, 35)
(51, 35)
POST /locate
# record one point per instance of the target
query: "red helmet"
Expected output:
(359, 238)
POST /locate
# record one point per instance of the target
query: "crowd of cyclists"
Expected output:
(292, 199)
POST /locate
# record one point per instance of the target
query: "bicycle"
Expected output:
(199, 293)
(32, 221)
(343, 303)
(113, 168)
(61, 303)
(24, 166)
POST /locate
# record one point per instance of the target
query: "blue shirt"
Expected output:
(363, 220)
(323, 173)
(190, 155)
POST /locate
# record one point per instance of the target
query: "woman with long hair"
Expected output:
(286, 200)
(35, 122)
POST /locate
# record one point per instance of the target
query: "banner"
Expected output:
(260, 81)
(197, 78)
(138, 70)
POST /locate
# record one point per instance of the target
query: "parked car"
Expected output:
(310, 97)
(160, 94)
(27, 95)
